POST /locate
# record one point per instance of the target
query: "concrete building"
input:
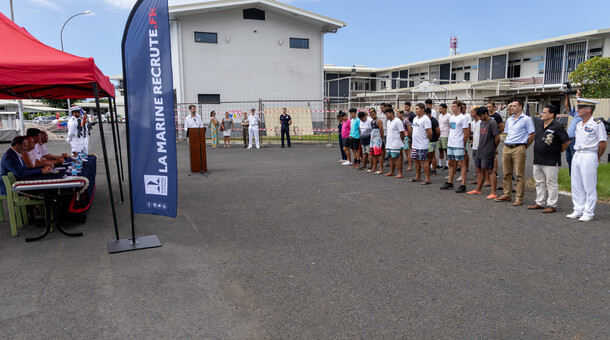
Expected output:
(534, 71)
(244, 50)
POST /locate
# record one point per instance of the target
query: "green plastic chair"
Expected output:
(2, 198)
(17, 205)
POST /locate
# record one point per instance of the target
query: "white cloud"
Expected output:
(127, 4)
(48, 4)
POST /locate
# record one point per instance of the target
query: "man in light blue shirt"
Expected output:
(572, 130)
(520, 133)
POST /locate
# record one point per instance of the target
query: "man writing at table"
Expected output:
(12, 162)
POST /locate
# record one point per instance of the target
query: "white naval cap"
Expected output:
(587, 102)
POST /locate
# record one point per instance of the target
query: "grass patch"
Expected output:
(603, 181)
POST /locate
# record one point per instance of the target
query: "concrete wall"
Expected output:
(249, 62)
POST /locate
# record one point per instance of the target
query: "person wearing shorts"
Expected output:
(443, 124)
(376, 146)
(394, 143)
(407, 124)
(345, 130)
(422, 132)
(365, 137)
(489, 138)
(436, 131)
(458, 137)
(354, 137)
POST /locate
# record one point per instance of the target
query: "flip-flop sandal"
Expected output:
(413, 180)
(426, 183)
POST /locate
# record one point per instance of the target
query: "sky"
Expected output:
(379, 33)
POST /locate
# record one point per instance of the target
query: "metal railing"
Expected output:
(312, 121)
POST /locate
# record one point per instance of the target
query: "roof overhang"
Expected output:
(325, 23)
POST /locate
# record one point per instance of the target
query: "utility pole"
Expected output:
(21, 122)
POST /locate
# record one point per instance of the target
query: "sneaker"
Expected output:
(461, 189)
(447, 186)
(445, 168)
(439, 166)
(584, 218)
(574, 215)
(459, 179)
(249, 147)
(346, 163)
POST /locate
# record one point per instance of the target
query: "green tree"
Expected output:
(60, 103)
(593, 76)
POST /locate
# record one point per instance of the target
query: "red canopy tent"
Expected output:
(31, 69)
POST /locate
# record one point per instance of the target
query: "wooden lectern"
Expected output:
(199, 161)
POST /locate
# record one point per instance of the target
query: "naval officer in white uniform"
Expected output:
(589, 147)
(253, 119)
(75, 130)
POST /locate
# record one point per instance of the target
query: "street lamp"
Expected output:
(61, 35)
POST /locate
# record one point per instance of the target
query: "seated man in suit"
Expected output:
(12, 162)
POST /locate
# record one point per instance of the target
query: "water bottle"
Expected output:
(74, 170)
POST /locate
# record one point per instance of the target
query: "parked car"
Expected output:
(43, 119)
(61, 121)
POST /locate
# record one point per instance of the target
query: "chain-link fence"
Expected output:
(312, 121)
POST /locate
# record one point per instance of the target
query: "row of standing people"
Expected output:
(249, 125)
(418, 135)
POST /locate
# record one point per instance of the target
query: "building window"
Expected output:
(208, 98)
(467, 76)
(206, 37)
(514, 71)
(299, 43)
(254, 14)
(452, 76)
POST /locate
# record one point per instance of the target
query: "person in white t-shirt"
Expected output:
(421, 135)
(468, 119)
(433, 111)
(443, 123)
(475, 132)
(456, 145)
(394, 143)
(365, 138)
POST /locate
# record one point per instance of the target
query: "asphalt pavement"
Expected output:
(286, 243)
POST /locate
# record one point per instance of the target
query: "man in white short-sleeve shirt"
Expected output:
(456, 145)
(394, 143)
(590, 146)
(422, 132)
(192, 120)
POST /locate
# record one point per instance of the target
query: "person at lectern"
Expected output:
(193, 120)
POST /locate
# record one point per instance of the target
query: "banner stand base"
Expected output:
(202, 173)
(142, 242)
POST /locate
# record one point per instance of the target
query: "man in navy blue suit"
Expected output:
(12, 162)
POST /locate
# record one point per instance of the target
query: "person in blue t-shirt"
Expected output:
(354, 136)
